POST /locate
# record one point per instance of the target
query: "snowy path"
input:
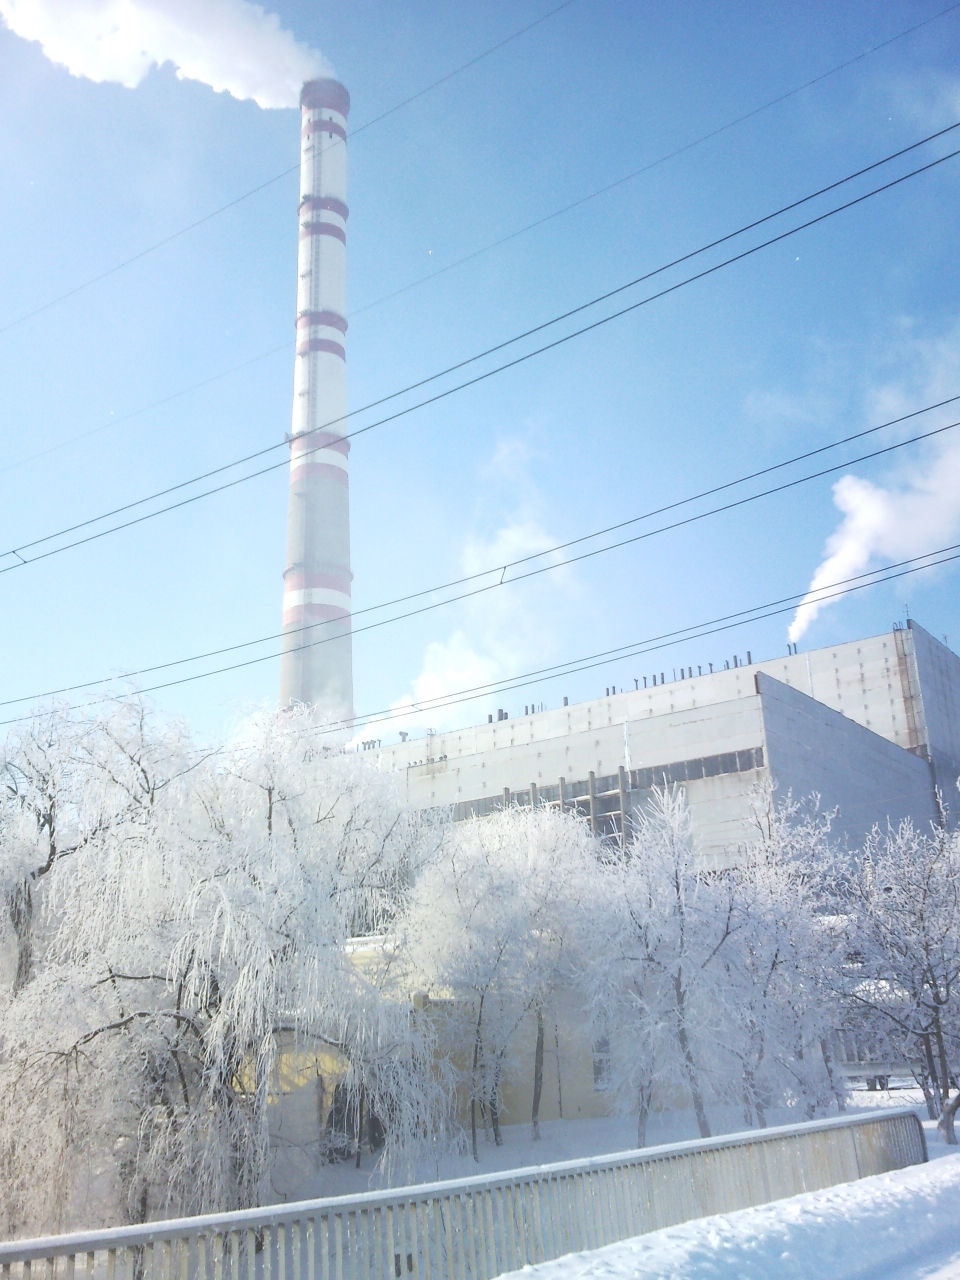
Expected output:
(897, 1226)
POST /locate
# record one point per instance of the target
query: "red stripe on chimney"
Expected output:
(322, 229)
(324, 126)
(329, 203)
(307, 319)
(322, 344)
(325, 92)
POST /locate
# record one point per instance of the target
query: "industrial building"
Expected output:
(872, 727)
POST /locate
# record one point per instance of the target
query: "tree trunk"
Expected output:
(321, 1116)
(359, 1127)
(947, 1119)
(937, 1093)
(942, 1055)
(473, 1085)
(495, 1119)
(643, 1113)
(537, 1077)
(494, 1107)
(556, 1041)
(923, 1080)
(747, 1110)
(138, 1251)
(828, 1063)
(689, 1064)
(20, 910)
(752, 1100)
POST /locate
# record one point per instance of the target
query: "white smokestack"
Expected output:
(231, 45)
(316, 581)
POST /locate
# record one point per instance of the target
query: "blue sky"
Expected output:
(839, 328)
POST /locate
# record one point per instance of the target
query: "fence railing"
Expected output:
(478, 1228)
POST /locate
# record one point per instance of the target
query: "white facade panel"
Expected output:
(938, 676)
(442, 770)
(813, 750)
(854, 732)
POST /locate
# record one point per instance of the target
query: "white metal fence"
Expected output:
(480, 1227)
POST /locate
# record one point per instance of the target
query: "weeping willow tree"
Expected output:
(176, 918)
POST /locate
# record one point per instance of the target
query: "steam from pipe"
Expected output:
(917, 511)
(231, 45)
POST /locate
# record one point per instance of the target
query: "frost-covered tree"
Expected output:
(654, 985)
(899, 902)
(487, 931)
(73, 788)
(709, 983)
(779, 969)
(45, 815)
(194, 921)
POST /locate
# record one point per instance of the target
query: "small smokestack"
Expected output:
(316, 586)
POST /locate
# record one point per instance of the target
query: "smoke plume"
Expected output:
(918, 510)
(230, 45)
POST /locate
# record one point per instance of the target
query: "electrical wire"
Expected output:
(231, 204)
(652, 645)
(502, 570)
(636, 173)
(22, 561)
(635, 649)
(147, 408)
(496, 244)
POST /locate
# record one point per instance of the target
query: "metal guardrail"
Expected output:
(480, 1227)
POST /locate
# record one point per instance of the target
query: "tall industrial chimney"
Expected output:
(316, 581)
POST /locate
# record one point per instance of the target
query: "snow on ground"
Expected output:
(560, 1140)
(579, 1139)
(896, 1226)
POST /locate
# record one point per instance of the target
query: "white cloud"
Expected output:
(449, 667)
(930, 100)
(504, 632)
(918, 510)
(510, 462)
(231, 45)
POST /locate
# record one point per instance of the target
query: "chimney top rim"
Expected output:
(325, 92)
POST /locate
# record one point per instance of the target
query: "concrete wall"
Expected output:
(938, 670)
(901, 687)
(861, 679)
(522, 752)
(721, 814)
(812, 749)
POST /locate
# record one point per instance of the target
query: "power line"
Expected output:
(523, 230)
(147, 408)
(22, 561)
(635, 649)
(496, 244)
(523, 560)
(652, 645)
(653, 164)
(231, 204)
